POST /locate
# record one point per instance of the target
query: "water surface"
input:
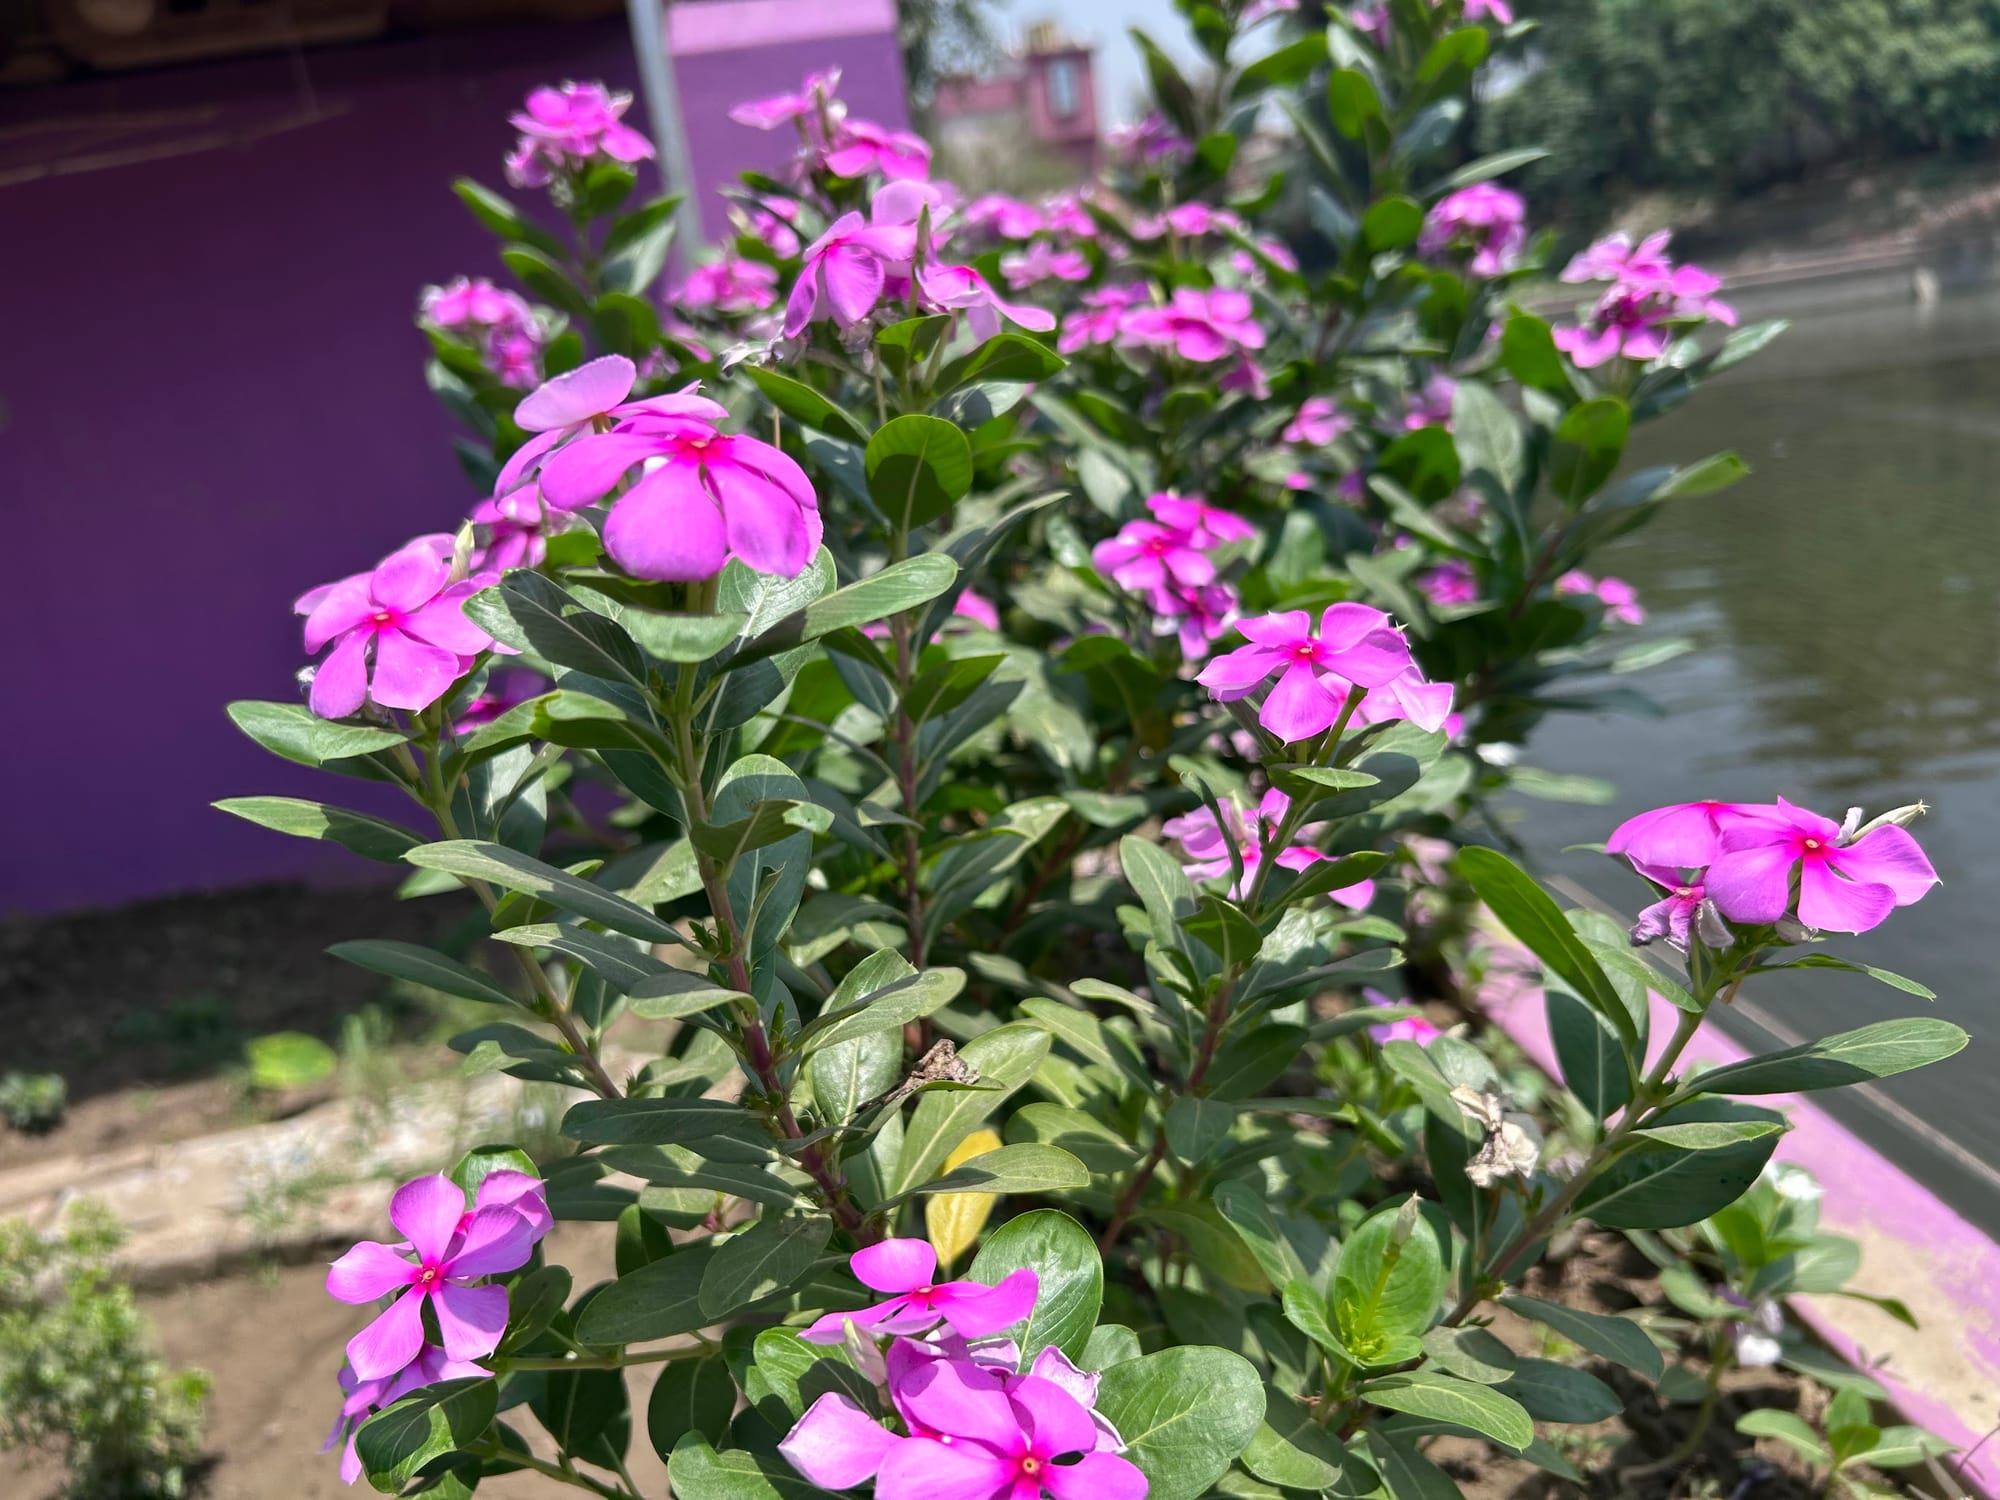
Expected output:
(1843, 600)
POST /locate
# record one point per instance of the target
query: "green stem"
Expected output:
(555, 1006)
(905, 732)
(1646, 1104)
(549, 1471)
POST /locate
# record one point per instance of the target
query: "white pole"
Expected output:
(663, 107)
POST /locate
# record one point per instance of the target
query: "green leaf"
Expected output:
(1588, 443)
(677, 993)
(1708, 476)
(1352, 102)
(639, 255)
(1901, 1448)
(1710, 1135)
(898, 587)
(1392, 223)
(1552, 1392)
(659, 1121)
(1660, 1187)
(657, 1301)
(622, 964)
(919, 467)
(768, 822)
(1064, 1256)
(537, 614)
(1195, 1127)
(683, 638)
(1525, 910)
(1161, 885)
(424, 966)
(1288, 65)
(1005, 356)
(1595, 1066)
(889, 1007)
(1244, 1206)
(698, 1472)
(802, 403)
(1249, 1063)
(1185, 1414)
(1486, 168)
(1291, 1449)
(372, 838)
(1470, 1353)
(775, 1253)
(1004, 1058)
(440, 1419)
(293, 731)
(1406, 1473)
(1789, 1428)
(1617, 1339)
(1487, 434)
(1011, 1169)
(1224, 930)
(1382, 1290)
(502, 218)
(1877, 1051)
(1828, 961)
(1463, 1403)
(495, 864)
(693, 1396)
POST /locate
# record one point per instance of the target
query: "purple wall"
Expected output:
(211, 398)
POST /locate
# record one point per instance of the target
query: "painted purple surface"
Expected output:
(1865, 1193)
(729, 51)
(213, 392)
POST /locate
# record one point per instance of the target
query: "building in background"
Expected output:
(1035, 119)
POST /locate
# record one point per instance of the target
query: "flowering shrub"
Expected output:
(812, 702)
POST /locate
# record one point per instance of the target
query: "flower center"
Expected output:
(382, 617)
(1687, 892)
(1031, 1466)
(428, 1276)
(1306, 650)
(1812, 846)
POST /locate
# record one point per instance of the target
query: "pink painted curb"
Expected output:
(1914, 1246)
(727, 25)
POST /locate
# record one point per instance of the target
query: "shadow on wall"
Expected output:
(213, 399)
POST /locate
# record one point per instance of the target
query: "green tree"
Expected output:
(942, 37)
(1732, 94)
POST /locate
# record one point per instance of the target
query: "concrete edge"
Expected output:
(1946, 1375)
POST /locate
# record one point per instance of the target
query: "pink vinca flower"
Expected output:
(1355, 645)
(1198, 616)
(1009, 218)
(813, 95)
(361, 1398)
(1684, 913)
(905, 1268)
(577, 401)
(1685, 836)
(1408, 1029)
(1619, 598)
(1040, 262)
(1067, 215)
(962, 289)
(1845, 883)
(449, 1261)
(983, 1442)
(1648, 294)
(1149, 140)
(845, 271)
(977, 608)
(1100, 318)
(566, 129)
(400, 636)
(1198, 326)
(517, 527)
(729, 286)
(998, 1359)
(703, 495)
(1206, 525)
(1430, 404)
(476, 303)
(1496, 10)
(1206, 845)
(861, 146)
(500, 695)
(1488, 220)
(1450, 582)
(1149, 556)
(1317, 423)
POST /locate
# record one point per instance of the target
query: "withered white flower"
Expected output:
(1510, 1147)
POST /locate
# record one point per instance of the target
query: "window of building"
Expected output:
(1063, 100)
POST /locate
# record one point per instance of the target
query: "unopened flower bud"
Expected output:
(1900, 817)
(1406, 1220)
(1792, 930)
(461, 555)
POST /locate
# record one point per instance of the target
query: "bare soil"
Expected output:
(144, 1011)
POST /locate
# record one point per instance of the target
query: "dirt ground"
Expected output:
(272, 1343)
(144, 1011)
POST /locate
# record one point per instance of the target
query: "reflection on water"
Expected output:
(1845, 600)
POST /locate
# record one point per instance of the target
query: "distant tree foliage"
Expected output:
(942, 37)
(1732, 94)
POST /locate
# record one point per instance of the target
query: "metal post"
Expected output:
(663, 108)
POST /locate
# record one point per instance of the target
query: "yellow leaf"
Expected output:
(953, 1220)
